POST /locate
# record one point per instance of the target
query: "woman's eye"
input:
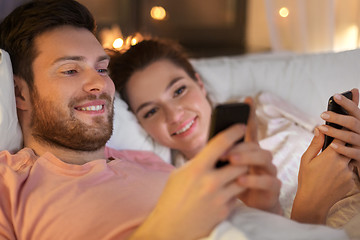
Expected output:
(69, 72)
(179, 91)
(150, 113)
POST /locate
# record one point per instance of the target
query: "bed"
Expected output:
(290, 91)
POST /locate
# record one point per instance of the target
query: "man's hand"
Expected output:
(197, 196)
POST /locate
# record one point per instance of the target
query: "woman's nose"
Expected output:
(173, 113)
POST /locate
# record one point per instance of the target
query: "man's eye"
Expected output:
(103, 71)
(69, 72)
(179, 91)
(150, 113)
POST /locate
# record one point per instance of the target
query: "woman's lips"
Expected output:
(185, 128)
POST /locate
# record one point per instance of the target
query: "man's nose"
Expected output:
(94, 83)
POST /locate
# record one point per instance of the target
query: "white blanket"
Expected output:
(252, 224)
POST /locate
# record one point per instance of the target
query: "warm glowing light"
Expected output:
(118, 43)
(158, 13)
(347, 39)
(134, 41)
(284, 12)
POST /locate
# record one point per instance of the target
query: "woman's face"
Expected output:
(171, 106)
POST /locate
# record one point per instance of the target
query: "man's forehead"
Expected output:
(68, 42)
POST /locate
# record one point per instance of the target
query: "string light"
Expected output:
(118, 43)
(158, 13)
(284, 12)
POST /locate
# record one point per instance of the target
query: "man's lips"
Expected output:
(93, 106)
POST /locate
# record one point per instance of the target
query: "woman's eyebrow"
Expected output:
(142, 106)
(171, 83)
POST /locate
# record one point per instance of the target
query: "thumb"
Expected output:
(355, 97)
(314, 147)
(251, 129)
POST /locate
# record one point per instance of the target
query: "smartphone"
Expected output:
(225, 115)
(334, 107)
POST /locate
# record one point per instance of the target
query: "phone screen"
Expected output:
(224, 116)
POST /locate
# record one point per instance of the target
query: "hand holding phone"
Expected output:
(225, 115)
(334, 107)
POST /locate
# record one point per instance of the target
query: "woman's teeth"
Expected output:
(92, 108)
(185, 128)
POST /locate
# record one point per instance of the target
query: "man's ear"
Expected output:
(22, 93)
(200, 83)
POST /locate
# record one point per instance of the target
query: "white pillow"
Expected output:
(306, 81)
(10, 132)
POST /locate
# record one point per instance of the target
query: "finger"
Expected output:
(218, 145)
(351, 137)
(233, 190)
(351, 106)
(227, 174)
(260, 182)
(251, 130)
(355, 98)
(348, 121)
(348, 151)
(260, 158)
(314, 147)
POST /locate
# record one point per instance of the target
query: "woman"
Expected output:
(169, 100)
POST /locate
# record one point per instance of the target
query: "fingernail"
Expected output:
(325, 116)
(316, 132)
(337, 96)
(323, 128)
(334, 145)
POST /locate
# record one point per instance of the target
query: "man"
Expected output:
(66, 185)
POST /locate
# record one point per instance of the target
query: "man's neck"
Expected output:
(67, 155)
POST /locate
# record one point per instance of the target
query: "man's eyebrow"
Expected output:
(172, 82)
(102, 58)
(79, 58)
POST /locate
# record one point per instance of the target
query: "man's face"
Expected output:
(73, 94)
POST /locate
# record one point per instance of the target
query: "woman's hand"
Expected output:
(262, 185)
(197, 196)
(252, 125)
(351, 123)
(326, 178)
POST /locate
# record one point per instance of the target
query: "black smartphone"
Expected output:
(334, 107)
(225, 115)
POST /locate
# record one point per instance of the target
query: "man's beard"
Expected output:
(59, 127)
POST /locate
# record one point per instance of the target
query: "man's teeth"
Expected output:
(185, 128)
(92, 108)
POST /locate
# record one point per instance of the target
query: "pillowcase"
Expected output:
(10, 131)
